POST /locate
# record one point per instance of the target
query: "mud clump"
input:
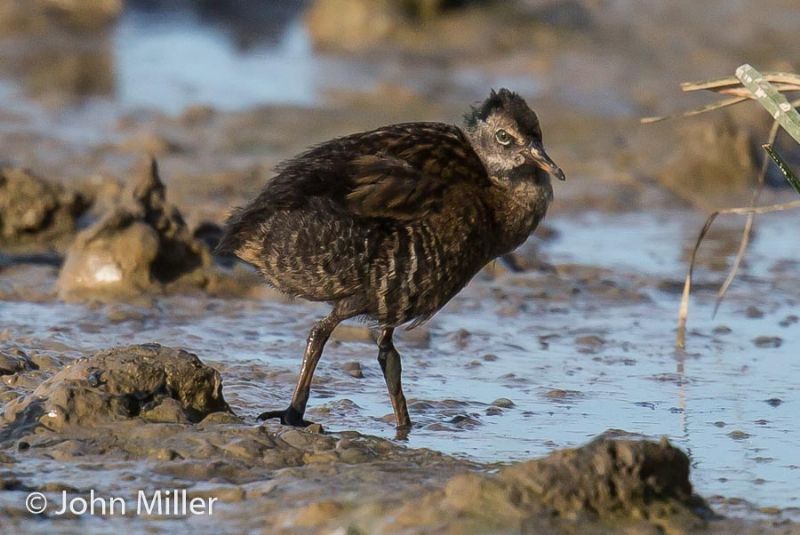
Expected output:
(352, 24)
(608, 478)
(15, 360)
(38, 16)
(35, 211)
(141, 245)
(148, 381)
(612, 481)
(715, 161)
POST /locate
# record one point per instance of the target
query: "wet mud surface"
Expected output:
(573, 344)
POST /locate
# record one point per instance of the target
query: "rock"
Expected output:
(768, 341)
(150, 143)
(419, 337)
(15, 360)
(353, 369)
(753, 312)
(558, 394)
(141, 245)
(503, 403)
(41, 15)
(589, 343)
(352, 333)
(86, 14)
(33, 210)
(351, 25)
(640, 483)
(715, 161)
(151, 381)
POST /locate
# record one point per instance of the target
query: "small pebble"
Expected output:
(590, 341)
(557, 394)
(315, 428)
(768, 341)
(503, 403)
(754, 312)
(353, 369)
(461, 338)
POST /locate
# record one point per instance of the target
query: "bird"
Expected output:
(389, 224)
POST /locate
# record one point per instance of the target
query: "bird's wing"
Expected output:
(386, 186)
(402, 171)
(396, 172)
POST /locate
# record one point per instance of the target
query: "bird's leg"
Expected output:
(319, 334)
(389, 359)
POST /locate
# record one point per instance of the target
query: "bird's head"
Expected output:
(505, 134)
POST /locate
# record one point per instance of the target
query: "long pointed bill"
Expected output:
(541, 159)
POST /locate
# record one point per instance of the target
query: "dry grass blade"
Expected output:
(767, 89)
(732, 86)
(697, 111)
(732, 81)
(683, 312)
(744, 242)
(744, 92)
(785, 115)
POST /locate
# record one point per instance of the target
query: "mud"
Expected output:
(146, 381)
(561, 353)
(164, 408)
(41, 16)
(35, 212)
(141, 245)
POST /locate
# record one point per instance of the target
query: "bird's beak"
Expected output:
(540, 158)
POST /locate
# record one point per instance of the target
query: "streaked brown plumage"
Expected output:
(390, 224)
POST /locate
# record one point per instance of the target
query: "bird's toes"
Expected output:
(402, 431)
(289, 416)
(269, 415)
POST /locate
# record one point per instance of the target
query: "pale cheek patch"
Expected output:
(497, 162)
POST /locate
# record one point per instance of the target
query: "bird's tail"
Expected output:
(233, 234)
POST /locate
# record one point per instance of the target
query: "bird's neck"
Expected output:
(518, 206)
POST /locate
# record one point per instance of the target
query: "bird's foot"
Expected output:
(401, 432)
(289, 416)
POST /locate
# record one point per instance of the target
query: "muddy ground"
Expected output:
(132, 359)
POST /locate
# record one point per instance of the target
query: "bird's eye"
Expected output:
(503, 137)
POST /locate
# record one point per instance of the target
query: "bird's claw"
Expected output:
(289, 416)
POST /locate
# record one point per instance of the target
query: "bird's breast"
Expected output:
(518, 207)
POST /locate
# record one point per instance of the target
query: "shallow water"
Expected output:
(577, 361)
